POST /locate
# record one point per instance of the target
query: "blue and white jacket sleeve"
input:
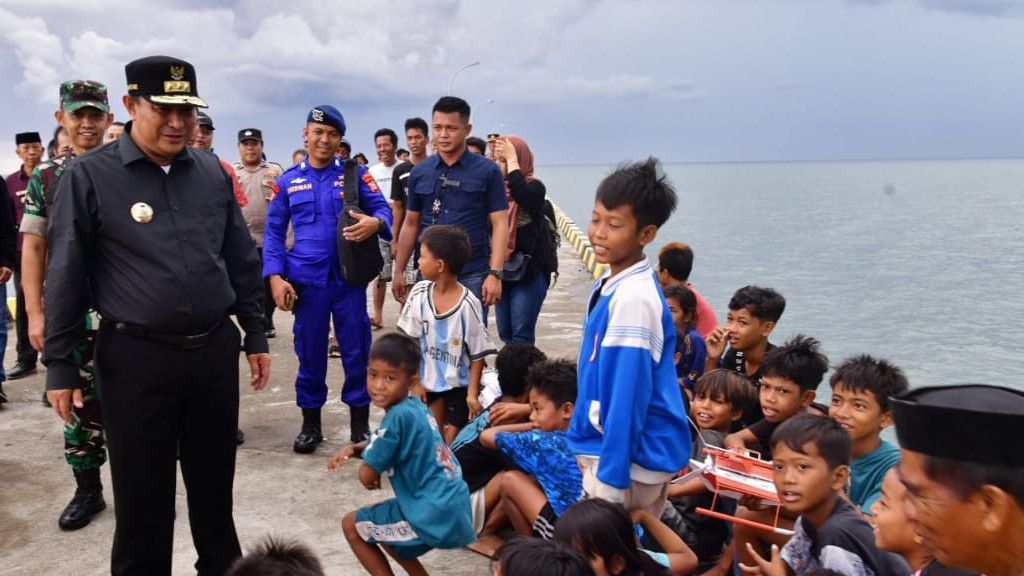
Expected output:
(630, 348)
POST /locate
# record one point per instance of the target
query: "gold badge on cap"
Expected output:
(177, 72)
(142, 212)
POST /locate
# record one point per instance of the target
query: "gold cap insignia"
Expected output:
(177, 72)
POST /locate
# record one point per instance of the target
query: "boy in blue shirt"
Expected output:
(431, 504)
(691, 352)
(547, 481)
(629, 429)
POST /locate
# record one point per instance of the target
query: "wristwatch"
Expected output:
(495, 273)
(380, 224)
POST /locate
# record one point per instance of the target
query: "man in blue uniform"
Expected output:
(308, 279)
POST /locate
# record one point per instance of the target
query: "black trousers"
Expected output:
(27, 355)
(158, 402)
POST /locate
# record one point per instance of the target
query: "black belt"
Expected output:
(180, 341)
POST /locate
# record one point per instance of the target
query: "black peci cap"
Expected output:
(27, 138)
(968, 423)
(163, 80)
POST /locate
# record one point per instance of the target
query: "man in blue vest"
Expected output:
(308, 278)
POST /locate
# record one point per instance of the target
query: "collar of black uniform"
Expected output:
(968, 422)
(130, 152)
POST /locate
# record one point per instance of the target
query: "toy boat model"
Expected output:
(736, 475)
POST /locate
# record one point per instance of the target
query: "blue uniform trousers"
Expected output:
(314, 309)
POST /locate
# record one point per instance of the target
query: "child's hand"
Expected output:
(342, 455)
(716, 341)
(475, 408)
(419, 391)
(734, 442)
(637, 516)
(773, 567)
(507, 412)
(752, 503)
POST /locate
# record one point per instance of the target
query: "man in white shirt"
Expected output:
(386, 142)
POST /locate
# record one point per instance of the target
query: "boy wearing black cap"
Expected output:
(85, 114)
(965, 482)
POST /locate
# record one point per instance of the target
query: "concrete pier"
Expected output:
(276, 492)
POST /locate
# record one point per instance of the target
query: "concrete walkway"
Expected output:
(276, 491)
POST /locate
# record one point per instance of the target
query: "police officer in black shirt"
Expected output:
(148, 231)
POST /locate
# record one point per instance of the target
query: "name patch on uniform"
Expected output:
(299, 187)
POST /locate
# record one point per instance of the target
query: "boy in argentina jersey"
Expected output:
(447, 320)
(431, 504)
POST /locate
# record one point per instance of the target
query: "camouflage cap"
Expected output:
(75, 94)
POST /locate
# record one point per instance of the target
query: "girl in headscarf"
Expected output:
(527, 271)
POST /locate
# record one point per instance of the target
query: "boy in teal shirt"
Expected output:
(431, 504)
(861, 388)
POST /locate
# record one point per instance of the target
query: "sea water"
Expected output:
(918, 262)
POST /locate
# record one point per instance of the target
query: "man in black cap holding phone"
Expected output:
(963, 467)
(149, 232)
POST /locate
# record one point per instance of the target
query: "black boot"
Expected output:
(310, 437)
(360, 423)
(86, 503)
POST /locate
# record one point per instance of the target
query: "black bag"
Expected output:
(554, 240)
(515, 267)
(360, 261)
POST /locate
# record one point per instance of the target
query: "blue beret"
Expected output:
(329, 115)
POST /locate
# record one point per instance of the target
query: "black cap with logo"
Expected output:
(250, 134)
(163, 80)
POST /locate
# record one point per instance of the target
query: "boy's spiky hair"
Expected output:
(643, 187)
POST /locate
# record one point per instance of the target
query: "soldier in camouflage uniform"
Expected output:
(85, 114)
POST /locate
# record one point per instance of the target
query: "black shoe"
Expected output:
(20, 370)
(271, 333)
(359, 423)
(3, 397)
(239, 437)
(86, 503)
(46, 401)
(306, 442)
(310, 437)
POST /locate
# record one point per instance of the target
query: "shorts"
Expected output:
(456, 411)
(478, 507)
(544, 525)
(383, 523)
(651, 497)
(385, 252)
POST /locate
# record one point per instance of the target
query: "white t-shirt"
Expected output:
(448, 342)
(382, 174)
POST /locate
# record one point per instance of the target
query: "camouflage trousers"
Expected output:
(83, 438)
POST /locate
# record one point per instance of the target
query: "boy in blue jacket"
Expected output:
(628, 429)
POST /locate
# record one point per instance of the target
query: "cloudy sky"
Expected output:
(583, 81)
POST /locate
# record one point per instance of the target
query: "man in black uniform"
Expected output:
(148, 231)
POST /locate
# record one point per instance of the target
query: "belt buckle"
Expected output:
(193, 341)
